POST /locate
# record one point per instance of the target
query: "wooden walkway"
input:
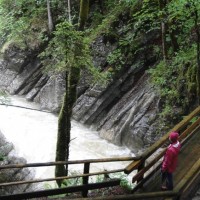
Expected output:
(188, 160)
(147, 178)
(187, 174)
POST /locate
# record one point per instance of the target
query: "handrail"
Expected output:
(191, 185)
(160, 142)
(189, 175)
(57, 191)
(61, 163)
(67, 162)
(132, 166)
(189, 129)
(84, 176)
(60, 178)
(146, 195)
(86, 168)
(159, 156)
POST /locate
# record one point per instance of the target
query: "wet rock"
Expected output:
(13, 174)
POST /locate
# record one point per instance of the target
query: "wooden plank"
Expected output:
(162, 140)
(169, 199)
(190, 129)
(142, 196)
(68, 162)
(132, 166)
(146, 168)
(191, 188)
(50, 192)
(146, 178)
(188, 177)
(59, 178)
(189, 135)
(86, 178)
(141, 167)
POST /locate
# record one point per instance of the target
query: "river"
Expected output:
(34, 133)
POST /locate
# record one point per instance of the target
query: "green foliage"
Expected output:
(125, 183)
(23, 22)
(50, 186)
(2, 157)
(65, 183)
(115, 59)
(180, 16)
(130, 23)
(106, 25)
(175, 81)
(194, 119)
(147, 18)
(67, 48)
(3, 97)
(96, 19)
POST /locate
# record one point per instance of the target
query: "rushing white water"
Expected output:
(34, 133)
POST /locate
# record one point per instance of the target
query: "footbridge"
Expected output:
(146, 178)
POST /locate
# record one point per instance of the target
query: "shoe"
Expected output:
(164, 187)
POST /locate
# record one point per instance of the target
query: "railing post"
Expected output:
(85, 178)
(140, 167)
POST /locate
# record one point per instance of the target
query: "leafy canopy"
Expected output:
(22, 22)
(69, 48)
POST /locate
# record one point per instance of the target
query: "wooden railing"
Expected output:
(85, 178)
(187, 130)
(139, 164)
(140, 160)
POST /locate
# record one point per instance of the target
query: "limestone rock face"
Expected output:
(21, 73)
(124, 111)
(51, 94)
(14, 174)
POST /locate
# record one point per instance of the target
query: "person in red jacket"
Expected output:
(169, 163)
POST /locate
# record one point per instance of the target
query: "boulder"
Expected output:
(7, 156)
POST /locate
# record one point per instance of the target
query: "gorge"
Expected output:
(127, 39)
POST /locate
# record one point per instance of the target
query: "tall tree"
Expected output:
(72, 79)
(167, 28)
(162, 4)
(50, 20)
(195, 14)
(69, 11)
(84, 9)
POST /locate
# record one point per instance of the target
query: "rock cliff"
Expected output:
(124, 112)
(11, 175)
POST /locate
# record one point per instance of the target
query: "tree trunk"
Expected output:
(62, 137)
(162, 4)
(50, 20)
(174, 42)
(175, 45)
(69, 10)
(164, 43)
(84, 9)
(64, 123)
(198, 55)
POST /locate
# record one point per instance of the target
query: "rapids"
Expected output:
(34, 133)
